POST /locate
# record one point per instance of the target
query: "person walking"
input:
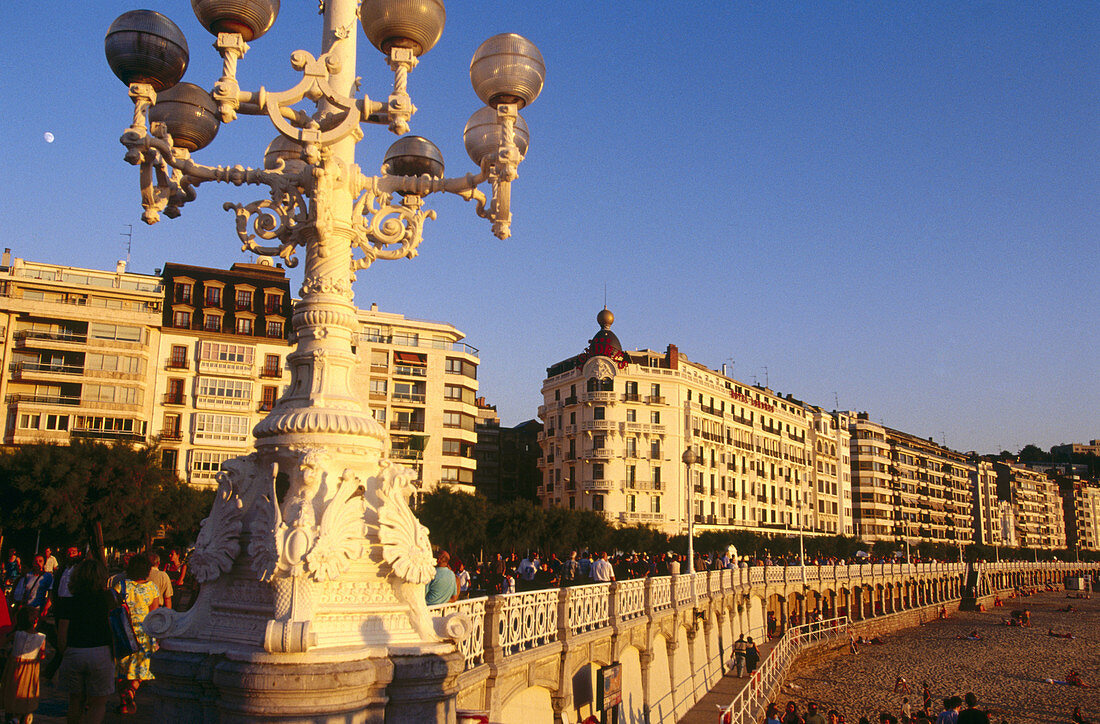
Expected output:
(141, 596)
(21, 670)
(752, 655)
(87, 671)
(602, 571)
(739, 649)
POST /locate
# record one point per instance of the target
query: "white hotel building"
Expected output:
(617, 423)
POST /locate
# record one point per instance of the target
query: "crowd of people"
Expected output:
(953, 712)
(71, 620)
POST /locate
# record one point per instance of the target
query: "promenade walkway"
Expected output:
(706, 710)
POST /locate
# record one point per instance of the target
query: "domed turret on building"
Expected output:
(605, 342)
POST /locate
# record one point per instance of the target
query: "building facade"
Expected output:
(907, 488)
(221, 362)
(1037, 504)
(419, 380)
(988, 528)
(1082, 515)
(80, 349)
(615, 425)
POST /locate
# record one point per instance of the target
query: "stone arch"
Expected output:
(659, 680)
(532, 704)
(773, 612)
(755, 607)
(633, 708)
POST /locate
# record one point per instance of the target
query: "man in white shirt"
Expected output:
(602, 572)
(51, 562)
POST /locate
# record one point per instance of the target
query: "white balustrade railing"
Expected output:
(630, 599)
(472, 646)
(681, 589)
(660, 593)
(523, 621)
(528, 620)
(588, 607)
(748, 706)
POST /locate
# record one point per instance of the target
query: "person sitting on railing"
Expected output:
(444, 587)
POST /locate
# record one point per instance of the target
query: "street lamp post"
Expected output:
(319, 590)
(689, 457)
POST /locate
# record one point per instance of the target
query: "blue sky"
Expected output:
(890, 205)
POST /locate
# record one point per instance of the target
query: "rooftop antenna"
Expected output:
(129, 241)
(767, 383)
(605, 295)
(836, 400)
(943, 438)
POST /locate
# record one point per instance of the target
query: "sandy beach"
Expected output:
(1007, 668)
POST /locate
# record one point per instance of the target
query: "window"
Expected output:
(409, 339)
(183, 293)
(631, 415)
(655, 450)
(378, 388)
(171, 429)
(657, 478)
(213, 296)
(632, 447)
(181, 319)
(379, 359)
(225, 389)
(207, 464)
(572, 502)
(455, 366)
(274, 328)
(267, 397)
(219, 352)
(457, 475)
(598, 413)
(174, 396)
(273, 303)
(244, 299)
(57, 422)
(597, 471)
(271, 366)
(456, 447)
(112, 363)
(655, 417)
(110, 393)
(597, 502)
(212, 322)
(598, 442)
(631, 474)
(455, 392)
(655, 504)
(169, 459)
(178, 359)
(244, 325)
(632, 503)
(29, 422)
(222, 428)
(655, 390)
(117, 332)
(379, 414)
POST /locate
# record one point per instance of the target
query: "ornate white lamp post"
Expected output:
(690, 458)
(312, 602)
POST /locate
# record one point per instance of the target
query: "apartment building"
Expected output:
(1038, 506)
(988, 529)
(616, 424)
(419, 380)
(906, 488)
(1082, 515)
(79, 347)
(221, 362)
(1076, 448)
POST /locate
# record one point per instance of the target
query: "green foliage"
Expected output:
(65, 490)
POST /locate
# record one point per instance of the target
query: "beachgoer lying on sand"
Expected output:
(1055, 634)
(1067, 609)
(972, 636)
(1074, 679)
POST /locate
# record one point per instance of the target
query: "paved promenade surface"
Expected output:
(1007, 668)
(706, 710)
(53, 704)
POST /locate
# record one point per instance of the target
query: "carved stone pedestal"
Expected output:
(423, 688)
(208, 689)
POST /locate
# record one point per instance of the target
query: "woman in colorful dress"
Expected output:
(140, 594)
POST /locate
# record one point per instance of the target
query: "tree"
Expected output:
(455, 520)
(65, 490)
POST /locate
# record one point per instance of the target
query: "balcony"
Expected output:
(409, 396)
(272, 372)
(655, 399)
(409, 371)
(601, 453)
(700, 488)
(406, 454)
(176, 363)
(218, 402)
(222, 367)
(22, 336)
(174, 398)
(171, 436)
(598, 425)
(631, 397)
(571, 400)
(107, 435)
(39, 368)
(406, 426)
(598, 397)
(42, 399)
(601, 484)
